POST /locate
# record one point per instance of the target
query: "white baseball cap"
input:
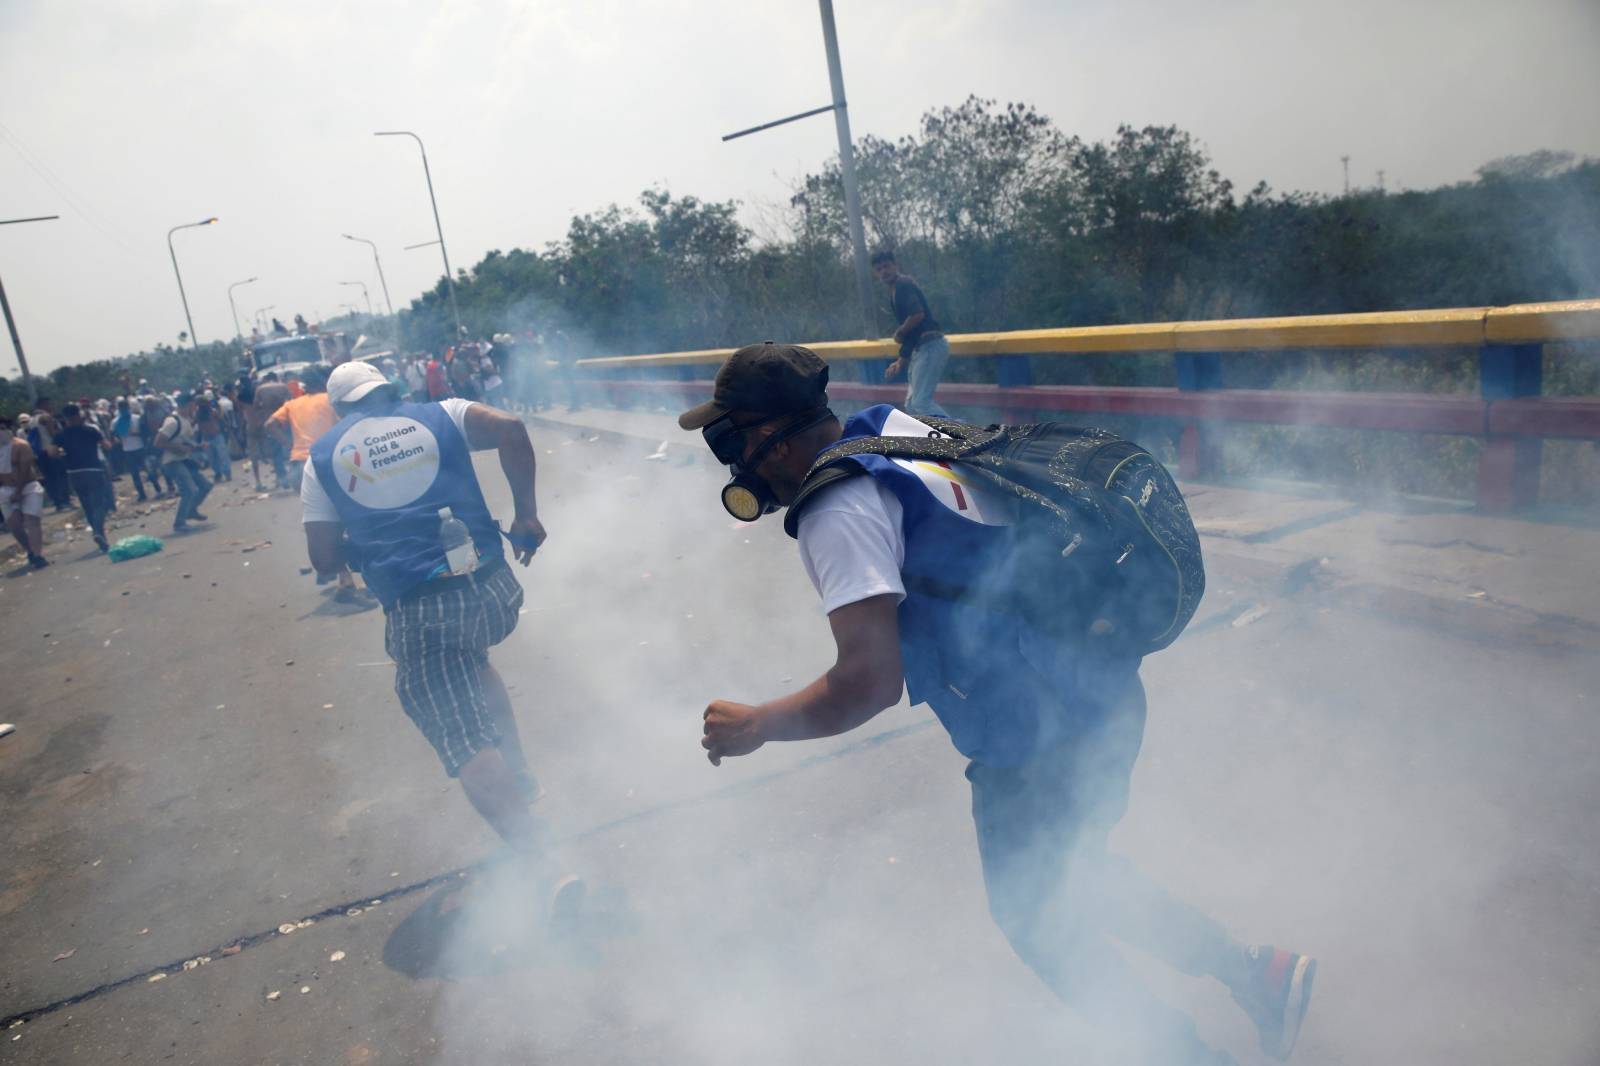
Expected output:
(351, 381)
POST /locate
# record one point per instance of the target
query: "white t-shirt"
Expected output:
(133, 440)
(852, 543)
(315, 504)
(852, 533)
(177, 430)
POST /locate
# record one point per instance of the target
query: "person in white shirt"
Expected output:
(21, 494)
(915, 563)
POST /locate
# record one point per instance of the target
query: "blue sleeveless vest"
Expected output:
(388, 474)
(1001, 688)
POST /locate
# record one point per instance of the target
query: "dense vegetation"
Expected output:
(1009, 223)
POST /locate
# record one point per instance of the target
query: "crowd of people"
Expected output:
(169, 445)
(179, 444)
(530, 373)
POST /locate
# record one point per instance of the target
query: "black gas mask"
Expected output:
(747, 496)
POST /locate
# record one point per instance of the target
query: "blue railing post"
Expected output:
(1013, 372)
(1199, 447)
(1508, 467)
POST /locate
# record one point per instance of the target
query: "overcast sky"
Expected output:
(127, 117)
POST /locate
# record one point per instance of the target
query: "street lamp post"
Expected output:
(379, 264)
(449, 280)
(11, 323)
(847, 168)
(847, 163)
(238, 334)
(179, 274)
(364, 294)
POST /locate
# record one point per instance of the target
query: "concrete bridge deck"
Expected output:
(1377, 744)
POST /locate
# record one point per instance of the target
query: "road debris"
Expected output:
(153, 978)
(65, 955)
(337, 956)
(659, 453)
(1254, 614)
(353, 912)
(143, 932)
(327, 706)
(6, 729)
(273, 995)
(232, 949)
(286, 928)
(304, 989)
(195, 963)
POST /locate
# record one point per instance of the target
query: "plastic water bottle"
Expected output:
(460, 555)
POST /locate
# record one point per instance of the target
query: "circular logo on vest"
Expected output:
(384, 463)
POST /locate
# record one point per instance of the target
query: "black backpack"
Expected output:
(1111, 552)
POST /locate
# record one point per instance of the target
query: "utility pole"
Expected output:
(1380, 181)
(11, 323)
(364, 294)
(449, 282)
(379, 264)
(1346, 161)
(847, 164)
(238, 335)
(179, 275)
(847, 169)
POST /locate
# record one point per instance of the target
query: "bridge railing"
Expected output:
(1509, 412)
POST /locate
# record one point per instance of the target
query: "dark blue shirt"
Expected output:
(81, 443)
(907, 300)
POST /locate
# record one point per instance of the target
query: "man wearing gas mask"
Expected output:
(1051, 728)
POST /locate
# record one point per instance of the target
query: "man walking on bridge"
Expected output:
(923, 347)
(396, 479)
(915, 563)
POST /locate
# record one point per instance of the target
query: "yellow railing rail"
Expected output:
(1448, 327)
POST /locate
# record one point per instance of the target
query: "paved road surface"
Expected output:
(208, 749)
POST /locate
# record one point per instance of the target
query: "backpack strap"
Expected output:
(960, 441)
(815, 481)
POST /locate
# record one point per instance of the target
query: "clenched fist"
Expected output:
(731, 729)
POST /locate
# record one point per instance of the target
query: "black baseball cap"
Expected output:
(764, 379)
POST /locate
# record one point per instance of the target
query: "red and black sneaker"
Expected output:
(1276, 994)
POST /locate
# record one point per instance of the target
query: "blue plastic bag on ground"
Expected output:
(133, 547)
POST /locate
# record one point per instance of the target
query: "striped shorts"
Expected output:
(439, 642)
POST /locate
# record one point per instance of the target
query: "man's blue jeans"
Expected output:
(1061, 897)
(90, 488)
(221, 461)
(922, 377)
(192, 489)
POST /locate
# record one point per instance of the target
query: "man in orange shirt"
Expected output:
(302, 420)
(297, 424)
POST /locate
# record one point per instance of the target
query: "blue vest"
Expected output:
(1000, 687)
(388, 475)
